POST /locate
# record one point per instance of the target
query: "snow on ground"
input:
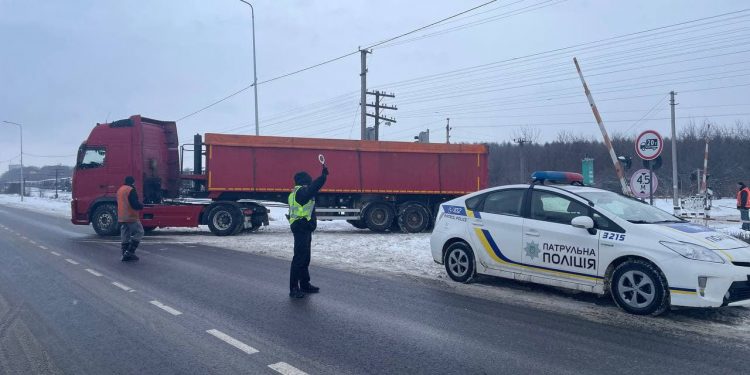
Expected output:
(43, 202)
(396, 255)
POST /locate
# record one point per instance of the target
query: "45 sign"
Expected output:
(640, 183)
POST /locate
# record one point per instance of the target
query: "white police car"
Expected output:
(591, 240)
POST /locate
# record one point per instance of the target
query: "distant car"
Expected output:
(591, 240)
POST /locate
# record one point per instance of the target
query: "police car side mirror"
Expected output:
(583, 222)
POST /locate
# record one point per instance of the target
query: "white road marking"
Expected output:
(24, 237)
(42, 247)
(55, 253)
(286, 369)
(97, 274)
(122, 286)
(71, 261)
(165, 308)
(32, 242)
(232, 341)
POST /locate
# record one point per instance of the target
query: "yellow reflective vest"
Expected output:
(298, 211)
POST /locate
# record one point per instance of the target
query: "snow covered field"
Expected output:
(396, 255)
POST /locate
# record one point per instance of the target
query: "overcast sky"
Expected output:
(67, 65)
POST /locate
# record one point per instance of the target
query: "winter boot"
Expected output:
(296, 293)
(133, 245)
(309, 288)
(126, 256)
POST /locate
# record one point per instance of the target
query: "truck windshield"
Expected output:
(92, 158)
(629, 209)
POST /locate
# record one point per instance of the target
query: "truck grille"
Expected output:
(738, 291)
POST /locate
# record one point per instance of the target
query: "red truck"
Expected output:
(377, 185)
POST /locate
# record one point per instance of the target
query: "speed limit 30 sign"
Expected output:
(649, 145)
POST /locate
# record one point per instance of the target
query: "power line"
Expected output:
(332, 60)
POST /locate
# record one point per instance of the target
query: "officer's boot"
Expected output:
(133, 245)
(125, 254)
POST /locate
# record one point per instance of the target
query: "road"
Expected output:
(68, 305)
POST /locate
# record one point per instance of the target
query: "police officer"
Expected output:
(743, 204)
(131, 230)
(303, 222)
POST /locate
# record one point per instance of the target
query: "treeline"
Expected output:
(728, 162)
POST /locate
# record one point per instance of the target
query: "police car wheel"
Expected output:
(104, 220)
(459, 262)
(638, 287)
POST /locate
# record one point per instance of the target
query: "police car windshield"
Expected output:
(629, 209)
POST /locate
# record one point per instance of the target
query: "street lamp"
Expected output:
(255, 72)
(20, 128)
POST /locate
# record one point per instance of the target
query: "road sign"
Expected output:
(653, 164)
(649, 145)
(640, 183)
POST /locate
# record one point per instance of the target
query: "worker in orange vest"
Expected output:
(131, 230)
(743, 204)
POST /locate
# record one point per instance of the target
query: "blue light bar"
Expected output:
(557, 177)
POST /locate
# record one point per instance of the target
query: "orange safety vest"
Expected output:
(746, 204)
(125, 213)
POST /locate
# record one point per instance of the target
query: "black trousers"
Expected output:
(299, 275)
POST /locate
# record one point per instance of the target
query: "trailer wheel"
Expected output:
(359, 224)
(225, 220)
(414, 218)
(104, 220)
(379, 217)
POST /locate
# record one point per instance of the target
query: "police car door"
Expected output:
(552, 247)
(496, 228)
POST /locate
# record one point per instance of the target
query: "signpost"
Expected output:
(648, 146)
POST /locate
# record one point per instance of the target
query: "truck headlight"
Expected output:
(693, 251)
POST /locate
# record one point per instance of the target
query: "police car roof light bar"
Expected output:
(556, 177)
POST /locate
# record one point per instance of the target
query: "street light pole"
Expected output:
(255, 71)
(20, 128)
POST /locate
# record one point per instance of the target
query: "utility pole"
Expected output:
(448, 130)
(675, 185)
(379, 106)
(363, 93)
(20, 129)
(56, 179)
(521, 142)
(255, 70)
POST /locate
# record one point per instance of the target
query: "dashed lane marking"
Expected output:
(165, 308)
(71, 261)
(232, 341)
(32, 242)
(97, 274)
(55, 253)
(43, 247)
(286, 369)
(122, 286)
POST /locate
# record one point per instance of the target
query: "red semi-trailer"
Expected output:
(377, 185)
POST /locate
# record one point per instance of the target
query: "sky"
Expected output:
(502, 68)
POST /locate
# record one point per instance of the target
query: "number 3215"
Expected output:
(613, 236)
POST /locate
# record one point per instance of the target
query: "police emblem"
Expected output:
(532, 250)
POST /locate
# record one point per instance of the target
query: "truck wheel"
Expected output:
(104, 220)
(638, 287)
(414, 218)
(359, 224)
(224, 220)
(379, 217)
(459, 262)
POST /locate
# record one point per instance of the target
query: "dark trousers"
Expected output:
(299, 275)
(745, 218)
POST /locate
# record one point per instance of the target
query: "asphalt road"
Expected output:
(68, 305)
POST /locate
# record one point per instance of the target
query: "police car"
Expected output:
(593, 240)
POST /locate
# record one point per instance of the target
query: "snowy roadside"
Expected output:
(395, 255)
